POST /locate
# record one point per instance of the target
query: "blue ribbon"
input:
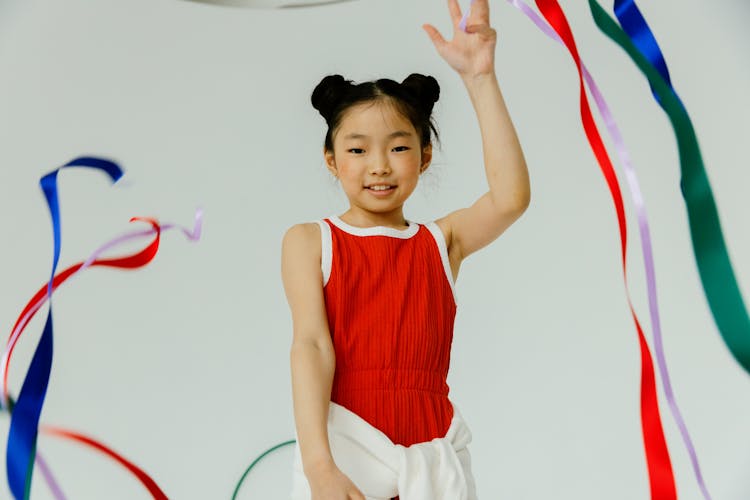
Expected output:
(637, 29)
(24, 423)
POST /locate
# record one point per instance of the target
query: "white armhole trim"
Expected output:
(437, 233)
(326, 250)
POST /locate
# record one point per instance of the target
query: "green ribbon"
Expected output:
(714, 266)
(247, 471)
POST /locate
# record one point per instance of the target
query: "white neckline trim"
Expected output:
(376, 230)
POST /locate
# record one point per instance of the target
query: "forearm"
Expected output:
(505, 166)
(312, 378)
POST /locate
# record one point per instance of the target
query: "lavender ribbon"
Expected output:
(643, 226)
(49, 478)
(192, 235)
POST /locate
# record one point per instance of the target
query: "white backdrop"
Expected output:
(183, 366)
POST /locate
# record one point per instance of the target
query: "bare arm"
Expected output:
(312, 373)
(312, 356)
(472, 55)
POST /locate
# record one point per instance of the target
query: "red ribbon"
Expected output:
(136, 260)
(144, 478)
(133, 261)
(661, 476)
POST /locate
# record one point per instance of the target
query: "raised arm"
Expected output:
(472, 55)
(312, 355)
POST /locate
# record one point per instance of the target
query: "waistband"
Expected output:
(439, 469)
(390, 379)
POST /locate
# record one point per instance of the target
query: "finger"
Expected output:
(455, 12)
(480, 10)
(435, 36)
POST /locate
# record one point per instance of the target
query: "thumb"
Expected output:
(434, 35)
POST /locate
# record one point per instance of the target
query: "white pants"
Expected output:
(439, 469)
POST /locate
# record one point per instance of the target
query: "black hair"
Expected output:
(414, 98)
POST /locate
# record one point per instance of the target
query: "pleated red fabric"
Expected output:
(391, 305)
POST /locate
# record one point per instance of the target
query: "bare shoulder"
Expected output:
(303, 283)
(305, 235)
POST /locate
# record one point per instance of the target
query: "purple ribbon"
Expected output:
(192, 235)
(49, 478)
(638, 202)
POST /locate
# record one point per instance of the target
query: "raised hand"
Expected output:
(470, 53)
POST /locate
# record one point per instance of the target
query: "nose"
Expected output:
(379, 167)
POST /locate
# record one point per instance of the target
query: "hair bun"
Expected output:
(424, 88)
(327, 94)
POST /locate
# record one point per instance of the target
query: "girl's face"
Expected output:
(376, 145)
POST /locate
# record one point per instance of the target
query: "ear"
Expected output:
(330, 162)
(426, 158)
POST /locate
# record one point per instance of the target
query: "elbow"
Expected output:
(515, 201)
(518, 204)
(523, 198)
(524, 201)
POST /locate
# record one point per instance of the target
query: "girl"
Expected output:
(372, 293)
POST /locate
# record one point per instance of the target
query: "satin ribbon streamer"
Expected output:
(640, 34)
(40, 297)
(637, 199)
(38, 300)
(24, 424)
(714, 265)
(661, 477)
(715, 269)
(25, 417)
(49, 478)
(52, 483)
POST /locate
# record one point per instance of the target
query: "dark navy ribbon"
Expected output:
(24, 424)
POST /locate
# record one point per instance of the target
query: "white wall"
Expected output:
(184, 366)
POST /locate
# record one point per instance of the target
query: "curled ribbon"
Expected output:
(40, 297)
(25, 423)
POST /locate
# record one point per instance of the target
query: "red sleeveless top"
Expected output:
(390, 301)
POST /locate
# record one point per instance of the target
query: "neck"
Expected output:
(365, 218)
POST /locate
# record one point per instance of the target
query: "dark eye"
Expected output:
(357, 149)
(405, 147)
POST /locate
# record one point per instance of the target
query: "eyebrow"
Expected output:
(398, 133)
